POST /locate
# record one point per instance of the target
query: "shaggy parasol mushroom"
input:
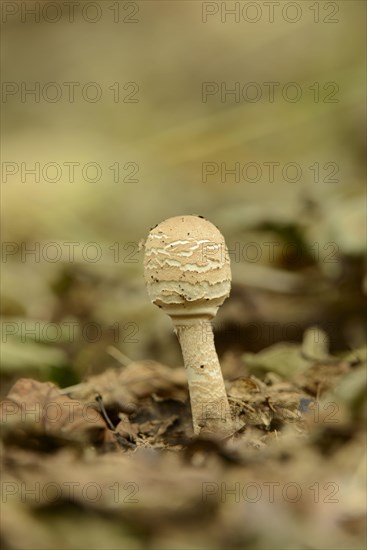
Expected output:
(187, 273)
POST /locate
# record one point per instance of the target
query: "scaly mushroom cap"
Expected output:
(187, 269)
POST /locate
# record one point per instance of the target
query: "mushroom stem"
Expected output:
(209, 402)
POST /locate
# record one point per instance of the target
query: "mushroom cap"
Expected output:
(187, 267)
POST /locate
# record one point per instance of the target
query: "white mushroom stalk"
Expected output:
(187, 273)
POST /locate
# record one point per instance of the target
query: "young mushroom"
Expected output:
(187, 273)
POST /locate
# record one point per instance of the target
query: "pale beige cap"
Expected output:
(187, 264)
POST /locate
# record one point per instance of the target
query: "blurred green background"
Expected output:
(160, 131)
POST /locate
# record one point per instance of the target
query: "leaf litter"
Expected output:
(119, 449)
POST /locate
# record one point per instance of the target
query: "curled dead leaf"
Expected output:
(43, 409)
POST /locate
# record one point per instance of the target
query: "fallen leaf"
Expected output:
(43, 409)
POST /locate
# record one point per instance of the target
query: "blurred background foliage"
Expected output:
(169, 133)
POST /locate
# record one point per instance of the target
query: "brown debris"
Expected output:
(41, 408)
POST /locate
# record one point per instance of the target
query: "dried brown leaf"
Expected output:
(41, 407)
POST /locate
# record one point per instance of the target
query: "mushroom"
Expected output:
(187, 273)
